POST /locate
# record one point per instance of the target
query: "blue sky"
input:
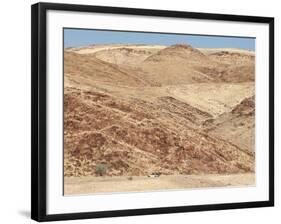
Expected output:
(84, 37)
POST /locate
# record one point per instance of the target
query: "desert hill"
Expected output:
(231, 58)
(136, 141)
(239, 65)
(91, 49)
(86, 69)
(125, 55)
(240, 123)
(178, 63)
(178, 51)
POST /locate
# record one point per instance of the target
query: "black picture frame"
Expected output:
(39, 107)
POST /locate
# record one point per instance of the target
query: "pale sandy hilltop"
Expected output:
(186, 113)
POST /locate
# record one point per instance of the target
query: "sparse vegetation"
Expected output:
(101, 169)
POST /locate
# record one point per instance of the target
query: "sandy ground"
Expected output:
(91, 185)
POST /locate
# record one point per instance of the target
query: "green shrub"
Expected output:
(101, 169)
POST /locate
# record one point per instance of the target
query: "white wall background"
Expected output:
(15, 110)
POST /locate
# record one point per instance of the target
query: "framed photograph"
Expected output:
(140, 111)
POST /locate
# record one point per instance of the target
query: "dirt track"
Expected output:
(91, 185)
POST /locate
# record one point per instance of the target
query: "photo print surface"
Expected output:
(157, 111)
